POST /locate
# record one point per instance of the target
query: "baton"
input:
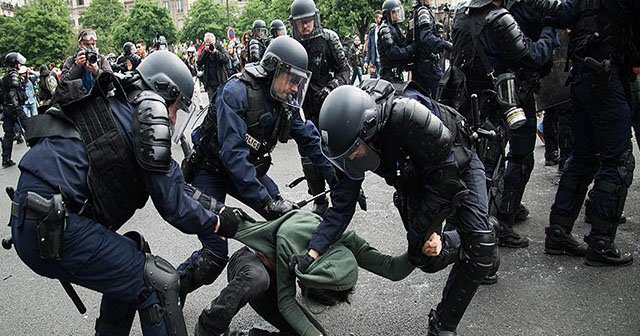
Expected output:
(295, 182)
(74, 296)
(315, 197)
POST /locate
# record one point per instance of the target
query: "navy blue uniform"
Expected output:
(94, 256)
(239, 177)
(601, 122)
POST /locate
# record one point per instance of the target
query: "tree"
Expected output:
(207, 16)
(348, 16)
(253, 10)
(42, 31)
(101, 16)
(147, 18)
(8, 25)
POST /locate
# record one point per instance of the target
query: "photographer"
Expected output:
(212, 60)
(86, 64)
(128, 61)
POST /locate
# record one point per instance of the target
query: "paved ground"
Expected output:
(536, 295)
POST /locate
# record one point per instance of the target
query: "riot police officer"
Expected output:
(259, 42)
(253, 112)
(426, 70)
(277, 28)
(106, 155)
(490, 49)
(328, 64)
(422, 149)
(14, 96)
(395, 51)
(603, 50)
(128, 61)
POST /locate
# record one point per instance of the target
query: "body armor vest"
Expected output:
(391, 68)
(263, 129)
(422, 19)
(603, 31)
(116, 190)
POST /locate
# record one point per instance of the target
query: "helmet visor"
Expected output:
(305, 28)
(184, 113)
(397, 15)
(289, 84)
(359, 158)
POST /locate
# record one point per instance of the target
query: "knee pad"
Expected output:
(480, 249)
(163, 279)
(141, 243)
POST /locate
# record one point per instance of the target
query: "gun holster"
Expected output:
(190, 166)
(52, 223)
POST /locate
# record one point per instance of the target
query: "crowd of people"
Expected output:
(435, 131)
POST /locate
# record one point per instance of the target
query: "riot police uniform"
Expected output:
(329, 66)
(491, 51)
(233, 144)
(106, 155)
(128, 53)
(395, 51)
(14, 96)
(277, 28)
(603, 48)
(258, 44)
(426, 70)
(422, 149)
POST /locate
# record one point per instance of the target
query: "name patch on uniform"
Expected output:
(252, 142)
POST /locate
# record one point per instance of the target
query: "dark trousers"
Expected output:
(601, 131)
(357, 72)
(13, 117)
(428, 76)
(211, 92)
(249, 282)
(93, 257)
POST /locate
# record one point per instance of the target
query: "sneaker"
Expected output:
(8, 163)
(560, 242)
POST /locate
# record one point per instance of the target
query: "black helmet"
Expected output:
(392, 6)
(303, 10)
(167, 75)
(276, 26)
(15, 59)
(128, 48)
(349, 119)
(475, 3)
(284, 57)
(257, 27)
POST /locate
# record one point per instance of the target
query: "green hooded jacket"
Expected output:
(336, 269)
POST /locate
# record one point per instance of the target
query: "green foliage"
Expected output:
(207, 16)
(147, 17)
(41, 31)
(253, 10)
(101, 16)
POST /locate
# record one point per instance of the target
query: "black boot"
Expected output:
(507, 237)
(202, 269)
(320, 206)
(604, 252)
(434, 326)
(8, 163)
(560, 241)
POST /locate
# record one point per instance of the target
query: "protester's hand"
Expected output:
(433, 246)
(128, 64)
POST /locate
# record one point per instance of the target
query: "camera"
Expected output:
(212, 47)
(91, 55)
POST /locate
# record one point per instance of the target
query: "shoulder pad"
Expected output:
(330, 35)
(506, 34)
(423, 17)
(385, 35)
(378, 89)
(152, 132)
(14, 79)
(138, 96)
(495, 14)
(253, 42)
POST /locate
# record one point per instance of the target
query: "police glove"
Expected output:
(322, 94)
(279, 207)
(303, 262)
(229, 219)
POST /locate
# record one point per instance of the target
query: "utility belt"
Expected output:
(192, 164)
(394, 73)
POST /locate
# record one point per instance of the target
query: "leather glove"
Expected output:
(303, 262)
(448, 46)
(230, 218)
(279, 207)
(322, 94)
(362, 200)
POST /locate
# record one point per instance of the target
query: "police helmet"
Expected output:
(15, 59)
(276, 27)
(390, 7)
(478, 3)
(166, 74)
(302, 11)
(257, 27)
(348, 123)
(160, 42)
(286, 57)
(128, 48)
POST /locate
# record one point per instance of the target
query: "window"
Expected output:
(179, 6)
(167, 5)
(80, 2)
(69, 3)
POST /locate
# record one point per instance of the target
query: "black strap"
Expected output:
(483, 56)
(47, 125)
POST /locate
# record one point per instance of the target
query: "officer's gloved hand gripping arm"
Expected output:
(234, 152)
